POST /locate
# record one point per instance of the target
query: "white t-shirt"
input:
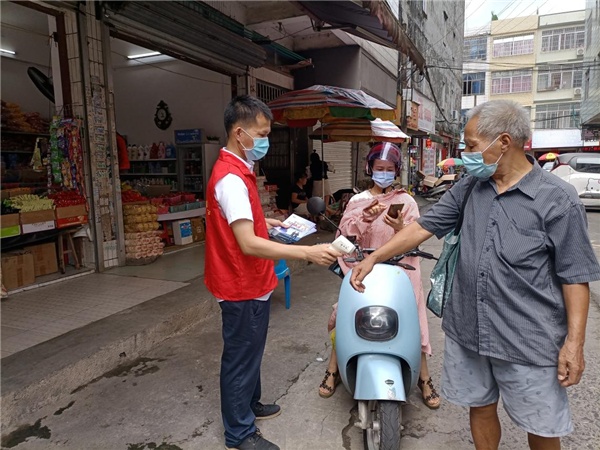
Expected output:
(234, 201)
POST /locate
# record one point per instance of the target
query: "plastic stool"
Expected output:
(283, 271)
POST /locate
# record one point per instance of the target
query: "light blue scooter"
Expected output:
(378, 345)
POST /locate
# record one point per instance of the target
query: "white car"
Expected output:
(582, 170)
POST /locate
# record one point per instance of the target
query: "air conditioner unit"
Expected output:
(580, 51)
(577, 92)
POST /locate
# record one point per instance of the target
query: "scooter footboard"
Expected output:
(379, 377)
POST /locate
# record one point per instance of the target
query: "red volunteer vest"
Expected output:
(229, 274)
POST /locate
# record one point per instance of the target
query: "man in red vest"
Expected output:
(240, 271)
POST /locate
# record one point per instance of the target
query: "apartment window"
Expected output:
(475, 48)
(513, 46)
(511, 81)
(560, 76)
(563, 39)
(557, 116)
(474, 83)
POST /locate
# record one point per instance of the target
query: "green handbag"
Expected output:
(442, 275)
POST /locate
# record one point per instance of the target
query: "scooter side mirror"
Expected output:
(316, 206)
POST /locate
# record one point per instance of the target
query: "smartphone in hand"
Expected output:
(395, 210)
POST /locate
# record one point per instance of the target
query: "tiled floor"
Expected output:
(31, 317)
(179, 265)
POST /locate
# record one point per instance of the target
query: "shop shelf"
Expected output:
(140, 174)
(177, 208)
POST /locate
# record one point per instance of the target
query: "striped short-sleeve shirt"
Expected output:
(517, 250)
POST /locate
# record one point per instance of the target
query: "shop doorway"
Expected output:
(43, 190)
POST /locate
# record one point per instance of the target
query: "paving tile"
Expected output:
(8, 331)
(31, 317)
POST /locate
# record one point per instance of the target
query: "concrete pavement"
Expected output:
(168, 398)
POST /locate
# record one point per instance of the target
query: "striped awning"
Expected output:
(360, 131)
(305, 107)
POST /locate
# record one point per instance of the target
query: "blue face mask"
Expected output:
(383, 179)
(475, 165)
(259, 149)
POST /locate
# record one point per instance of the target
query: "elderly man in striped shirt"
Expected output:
(515, 322)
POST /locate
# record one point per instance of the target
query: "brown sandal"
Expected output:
(429, 400)
(323, 385)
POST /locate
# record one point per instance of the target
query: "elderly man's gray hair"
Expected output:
(502, 116)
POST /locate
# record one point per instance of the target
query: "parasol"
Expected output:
(303, 108)
(548, 157)
(359, 130)
(451, 162)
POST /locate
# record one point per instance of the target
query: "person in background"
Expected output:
(516, 319)
(299, 197)
(320, 181)
(366, 218)
(239, 269)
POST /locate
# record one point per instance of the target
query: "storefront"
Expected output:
(171, 87)
(44, 188)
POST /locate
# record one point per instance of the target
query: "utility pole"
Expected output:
(403, 84)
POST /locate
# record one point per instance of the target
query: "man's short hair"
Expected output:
(301, 174)
(502, 116)
(244, 110)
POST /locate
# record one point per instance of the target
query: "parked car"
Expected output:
(582, 170)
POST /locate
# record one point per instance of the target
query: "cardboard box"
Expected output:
(71, 221)
(7, 193)
(197, 229)
(17, 270)
(44, 258)
(71, 211)
(182, 232)
(6, 232)
(429, 181)
(9, 220)
(446, 179)
(37, 216)
(421, 174)
(35, 227)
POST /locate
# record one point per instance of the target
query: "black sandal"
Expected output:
(428, 401)
(323, 385)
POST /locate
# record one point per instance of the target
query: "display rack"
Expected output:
(17, 150)
(195, 162)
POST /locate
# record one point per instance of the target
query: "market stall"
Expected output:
(43, 196)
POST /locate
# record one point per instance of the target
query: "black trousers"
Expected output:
(245, 326)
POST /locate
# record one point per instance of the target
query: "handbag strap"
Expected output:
(461, 215)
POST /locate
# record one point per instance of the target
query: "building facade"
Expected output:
(537, 61)
(432, 98)
(590, 101)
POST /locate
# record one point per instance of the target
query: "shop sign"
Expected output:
(429, 161)
(191, 136)
(426, 112)
(412, 120)
(590, 134)
(563, 138)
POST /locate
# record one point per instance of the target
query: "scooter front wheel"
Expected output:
(385, 424)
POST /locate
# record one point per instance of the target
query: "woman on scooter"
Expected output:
(367, 217)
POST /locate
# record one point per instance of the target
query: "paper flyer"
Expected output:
(298, 228)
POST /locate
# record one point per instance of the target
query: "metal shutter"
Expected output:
(339, 154)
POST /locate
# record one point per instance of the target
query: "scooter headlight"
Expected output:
(376, 323)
